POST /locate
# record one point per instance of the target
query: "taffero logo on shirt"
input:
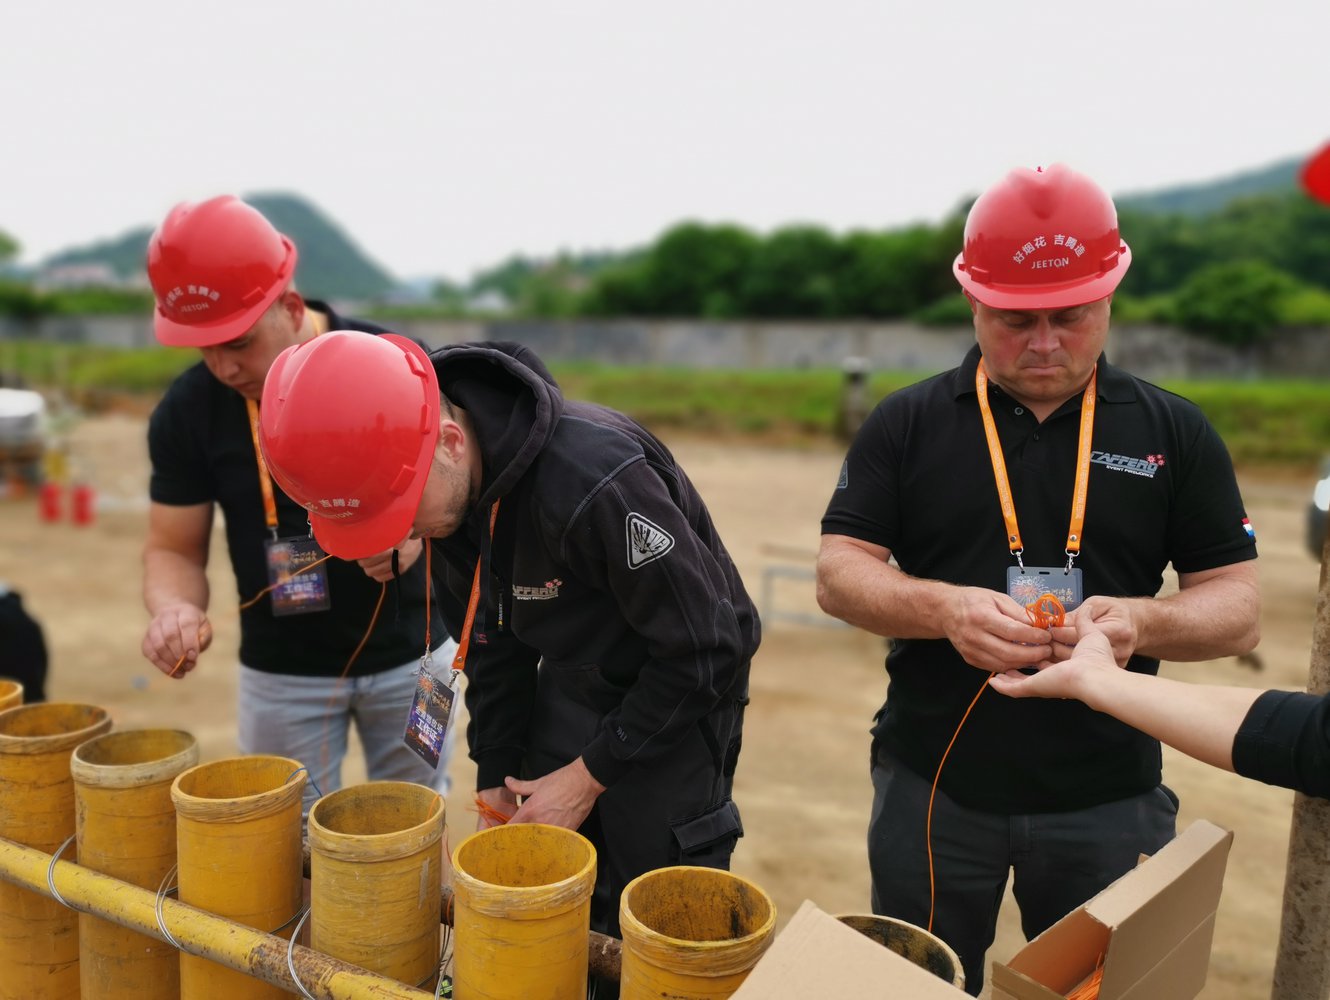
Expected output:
(1147, 466)
(546, 593)
(647, 542)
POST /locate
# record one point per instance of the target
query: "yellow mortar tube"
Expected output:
(126, 829)
(11, 693)
(376, 855)
(691, 933)
(238, 850)
(198, 932)
(522, 913)
(39, 938)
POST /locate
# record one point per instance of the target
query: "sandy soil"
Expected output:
(803, 782)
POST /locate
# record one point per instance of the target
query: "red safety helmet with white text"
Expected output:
(1042, 239)
(215, 266)
(347, 426)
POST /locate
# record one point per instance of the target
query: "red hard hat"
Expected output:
(215, 266)
(347, 425)
(1042, 239)
(1315, 175)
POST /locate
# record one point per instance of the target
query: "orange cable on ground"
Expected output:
(1046, 611)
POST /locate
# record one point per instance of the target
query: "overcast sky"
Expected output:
(445, 136)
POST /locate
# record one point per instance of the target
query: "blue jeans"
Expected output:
(307, 718)
(1060, 860)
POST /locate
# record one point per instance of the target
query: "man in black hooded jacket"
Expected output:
(605, 632)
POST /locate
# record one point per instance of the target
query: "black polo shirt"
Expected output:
(203, 452)
(917, 480)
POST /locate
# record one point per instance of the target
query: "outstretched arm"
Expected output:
(1201, 720)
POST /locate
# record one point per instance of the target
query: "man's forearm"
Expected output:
(1220, 617)
(170, 578)
(877, 597)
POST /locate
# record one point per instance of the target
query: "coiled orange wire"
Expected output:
(1046, 611)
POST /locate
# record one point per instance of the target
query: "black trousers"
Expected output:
(679, 811)
(1060, 860)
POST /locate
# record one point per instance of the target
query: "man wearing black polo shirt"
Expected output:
(222, 276)
(1035, 468)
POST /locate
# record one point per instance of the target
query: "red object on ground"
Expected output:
(82, 499)
(1315, 175)
(50, 501)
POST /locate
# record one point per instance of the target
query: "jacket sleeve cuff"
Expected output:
(496, 765)
(604, 767)
(1266, 742)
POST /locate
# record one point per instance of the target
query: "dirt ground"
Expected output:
(803, 781)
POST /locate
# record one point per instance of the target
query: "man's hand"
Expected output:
(500, 801)
(1111, 616)
(1071, 678)
(993, 632)
(176, 637)
(380, 567)
(561, 798)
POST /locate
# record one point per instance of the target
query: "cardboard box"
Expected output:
(817, 956)
(1153, 927)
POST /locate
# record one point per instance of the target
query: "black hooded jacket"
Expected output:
(604, 564)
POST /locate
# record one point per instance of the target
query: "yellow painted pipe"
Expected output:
(126, 829)
(39, 938)
(198, 932)
(691, 933)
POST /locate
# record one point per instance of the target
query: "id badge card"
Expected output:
(432, 711)
(295, 592)
(1027, 584)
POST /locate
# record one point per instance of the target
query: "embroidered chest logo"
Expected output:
(545, 593)
(646, 541)
(1147, 466)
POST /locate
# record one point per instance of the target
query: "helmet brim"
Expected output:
(383, 531)
(1054, 295)
(173, 334)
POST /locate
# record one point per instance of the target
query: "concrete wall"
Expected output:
(1151, 352)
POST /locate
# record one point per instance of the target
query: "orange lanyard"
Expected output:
(265, 480)
(464, 643)
(1000, 468)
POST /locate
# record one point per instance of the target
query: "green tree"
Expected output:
(1237, 303)
(796, 272)
(9, 247)
(698, 270)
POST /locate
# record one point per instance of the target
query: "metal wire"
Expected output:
(310, 776)
(162, 893)
(50, 873)
(290, 955)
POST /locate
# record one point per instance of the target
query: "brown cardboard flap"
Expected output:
(1182, 973)
(1154, 928)
(815, 955)
(1154, 908)
(1063, 955)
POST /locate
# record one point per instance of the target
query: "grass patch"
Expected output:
(1263, 422)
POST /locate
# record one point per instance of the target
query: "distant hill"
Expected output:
(330, 265)
(1212, 196)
